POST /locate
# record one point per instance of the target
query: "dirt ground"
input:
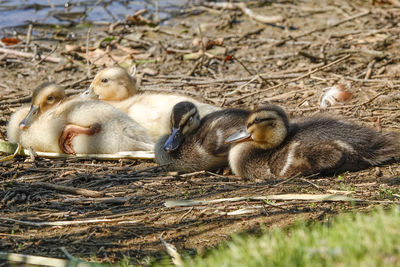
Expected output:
(318, 44)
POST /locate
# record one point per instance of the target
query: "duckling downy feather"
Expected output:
(195, 144)
(151, 110)
(269, 146)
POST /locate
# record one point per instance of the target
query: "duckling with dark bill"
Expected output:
(270, 146)
(195, 144)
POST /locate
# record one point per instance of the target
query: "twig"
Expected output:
(70, 257)
(47, 261)
(34, 260)
(309, 182)
(184, 215)
(286, 181)
(172, 251)
(192, 173)
(244, 66)
(273, 205)
(364, 13)
(28, 36)
(69, 189)
(196, 65)
(293, 80)
(44, 58)
(247, 34)
(310, 197)
(72, 84)
(295, 177)
(369, 69)
(247, 11)
(203, 47)
(30, 55)
(10, 148)
(60, 223)
(109, 200)
(366, 52)
(87, 52)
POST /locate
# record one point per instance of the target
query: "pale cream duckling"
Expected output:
(57, 124)
(195, 144)
(269, 146)
(18, 119)
(153, 111)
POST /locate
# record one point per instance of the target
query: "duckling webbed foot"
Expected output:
(69, 133)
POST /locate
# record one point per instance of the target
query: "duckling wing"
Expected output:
(118, 131)
(216, 127)
(138, 137)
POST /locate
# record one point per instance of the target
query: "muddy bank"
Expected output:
(241, 62)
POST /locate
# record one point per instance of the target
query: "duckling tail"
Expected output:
(389, 149)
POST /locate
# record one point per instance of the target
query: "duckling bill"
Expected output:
(270, 146)
(197, 144)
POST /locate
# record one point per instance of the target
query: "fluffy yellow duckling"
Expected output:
(195, 144)
(56, 124)
(270, 146)
(153, 111)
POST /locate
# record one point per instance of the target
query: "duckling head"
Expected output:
(44, 97)
(266, 127)
(111, 84)
(185, 119)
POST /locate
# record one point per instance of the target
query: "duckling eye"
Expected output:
(50, 98)
(257, 120)
(105, 80)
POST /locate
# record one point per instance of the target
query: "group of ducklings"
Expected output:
(187, 135)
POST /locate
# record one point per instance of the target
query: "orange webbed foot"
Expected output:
(69, 133)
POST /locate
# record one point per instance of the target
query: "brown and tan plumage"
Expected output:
(270, 146)
(195, 144)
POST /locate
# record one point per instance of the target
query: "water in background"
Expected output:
(14, 13)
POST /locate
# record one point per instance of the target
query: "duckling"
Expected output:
(153, 111)
(195, 144)
(270, 146)
(57, 124)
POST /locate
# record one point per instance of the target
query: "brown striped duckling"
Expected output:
(57, 124)
(197, 144)
(151, 110)
(270, 146)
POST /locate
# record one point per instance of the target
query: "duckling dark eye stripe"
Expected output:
(187, 116)
(259, 121)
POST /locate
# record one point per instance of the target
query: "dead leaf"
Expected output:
(10, 41)
(137, 19)
(109, 57)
